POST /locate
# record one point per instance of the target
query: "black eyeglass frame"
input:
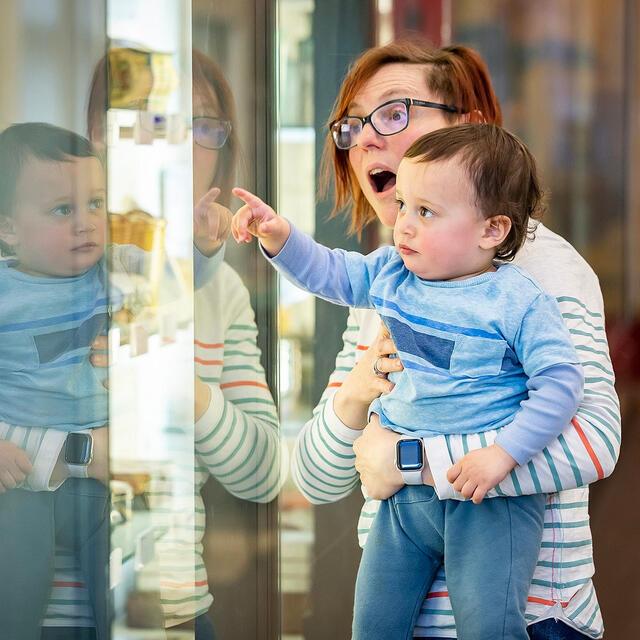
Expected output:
(228, 126)
(408, 102)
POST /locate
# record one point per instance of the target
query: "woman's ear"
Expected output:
(495, 232)
(475, 117)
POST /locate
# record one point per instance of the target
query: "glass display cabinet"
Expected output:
(175, 97)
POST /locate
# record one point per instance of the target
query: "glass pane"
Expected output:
(240, 463)
(151, 341)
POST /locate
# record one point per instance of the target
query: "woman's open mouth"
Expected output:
(382, 180)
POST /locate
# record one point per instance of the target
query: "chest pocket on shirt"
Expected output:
(476, 357)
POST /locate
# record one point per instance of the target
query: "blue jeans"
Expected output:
(489, 551)
(548, 630)
(551, 629)
(76, 517)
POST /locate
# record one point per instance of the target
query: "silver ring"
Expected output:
(380, 374)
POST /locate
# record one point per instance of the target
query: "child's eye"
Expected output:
(426, 213)
(62, 210)
(96, 204)
(401, 205)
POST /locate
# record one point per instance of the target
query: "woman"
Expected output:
(236, 430)
(453, 86)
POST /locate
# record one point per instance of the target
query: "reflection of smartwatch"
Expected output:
(78, 453)
(410, 459)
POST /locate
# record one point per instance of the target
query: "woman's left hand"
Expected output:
(211, 223)
(375, 453)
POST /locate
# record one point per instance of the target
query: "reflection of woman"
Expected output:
(236, 430)
(363, 161)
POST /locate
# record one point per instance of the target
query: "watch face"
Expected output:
(77, 449)
(410, 456)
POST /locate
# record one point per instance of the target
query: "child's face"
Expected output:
(439, 231)
(58, 223)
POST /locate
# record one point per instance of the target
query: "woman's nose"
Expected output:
(369, 137)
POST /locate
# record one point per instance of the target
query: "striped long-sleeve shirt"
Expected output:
(323, 463)
(236, 441)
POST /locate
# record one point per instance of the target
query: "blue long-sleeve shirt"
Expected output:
(47, 327)
(478, 353)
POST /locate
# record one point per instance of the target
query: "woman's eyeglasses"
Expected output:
(211, 133)
(388, 119)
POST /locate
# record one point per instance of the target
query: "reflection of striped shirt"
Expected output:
(236, 441)
(323, 463)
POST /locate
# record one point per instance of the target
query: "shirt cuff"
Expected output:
(45, 460)
(336, 426)
(205, 267)
(291, 246)
(440, 462)
(211, 417)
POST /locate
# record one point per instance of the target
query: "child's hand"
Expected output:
(15, 466)
(211, 223)
(479, 471)
(258, 219)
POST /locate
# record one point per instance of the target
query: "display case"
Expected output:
(191, 503)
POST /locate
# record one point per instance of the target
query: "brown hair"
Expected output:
(501, 169)
(456, 75)
(208, 79)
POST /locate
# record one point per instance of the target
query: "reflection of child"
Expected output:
(482, 347)
(53, 287)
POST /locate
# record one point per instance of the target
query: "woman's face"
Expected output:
(374, 152)
(205, 161)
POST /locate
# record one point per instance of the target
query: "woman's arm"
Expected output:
(586, 451)
(588, 448)
(237, 437)
(323, 458)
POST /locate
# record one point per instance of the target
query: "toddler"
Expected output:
(482, 347)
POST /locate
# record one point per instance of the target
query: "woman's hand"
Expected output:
(99, 466)
(375, 453)
(99, 355)
(15, 466)
(362, 385)
(211, 223)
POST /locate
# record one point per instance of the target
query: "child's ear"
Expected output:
(7, 231)
(495, 232)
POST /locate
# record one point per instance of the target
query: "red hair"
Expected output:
(456, 76)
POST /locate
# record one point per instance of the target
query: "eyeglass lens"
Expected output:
(387, 119)
(210, 133)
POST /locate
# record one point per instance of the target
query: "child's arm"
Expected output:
(256, 218)
(341, 277)
(555, 389)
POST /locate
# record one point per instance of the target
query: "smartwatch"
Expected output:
(410, 459)
(78, 453)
